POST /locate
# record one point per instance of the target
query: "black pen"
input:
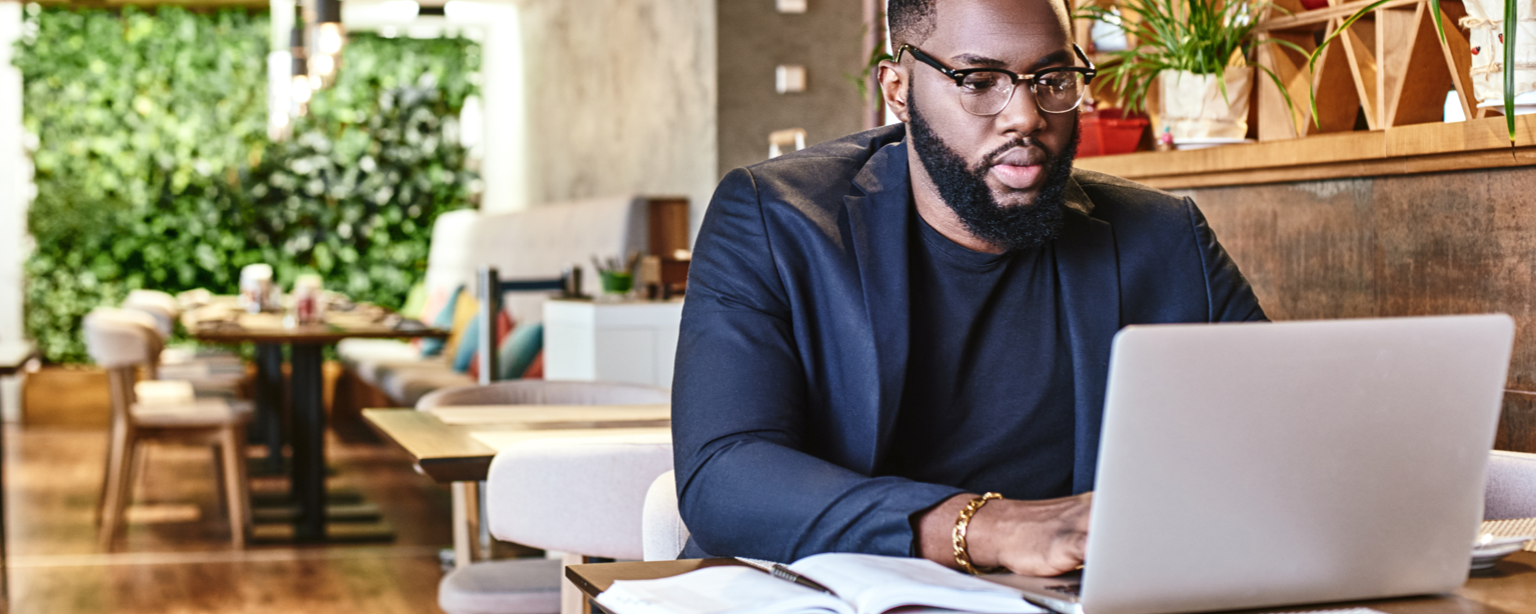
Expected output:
(784, 573)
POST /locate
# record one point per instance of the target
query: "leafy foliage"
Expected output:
(153, 168)
(1202, 37)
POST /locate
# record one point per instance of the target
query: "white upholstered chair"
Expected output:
(122, 342)
(466, 495)
(583, 497)
(543, 392)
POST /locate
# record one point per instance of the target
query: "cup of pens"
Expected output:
(617, 277)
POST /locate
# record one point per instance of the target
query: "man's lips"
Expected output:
(1019, 168)
(1018, 177)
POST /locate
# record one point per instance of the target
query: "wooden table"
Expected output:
(455, 445)
(270, 332)
(13, 356)
(1509, 588)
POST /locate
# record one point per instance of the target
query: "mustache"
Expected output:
(1017, 143)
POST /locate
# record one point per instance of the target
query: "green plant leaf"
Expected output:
(1511, 27)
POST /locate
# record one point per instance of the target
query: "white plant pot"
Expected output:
(1485, 21)
(1193, 106)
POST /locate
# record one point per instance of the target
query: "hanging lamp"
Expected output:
(326, 41)
(299, 88)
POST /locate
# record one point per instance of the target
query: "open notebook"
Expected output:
(859, 584)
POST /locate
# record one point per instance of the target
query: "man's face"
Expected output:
(1003, 175)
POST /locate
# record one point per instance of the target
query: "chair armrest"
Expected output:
(662, 526)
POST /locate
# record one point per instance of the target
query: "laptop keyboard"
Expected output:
(1074, 589)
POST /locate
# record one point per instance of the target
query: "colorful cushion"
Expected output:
(518, 350)
(464, 311)
(415, 301)
(503, 329)
(464, 354)
(535, 370)
(442, 319)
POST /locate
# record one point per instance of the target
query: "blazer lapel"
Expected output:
(1088, 268)
(879, 219)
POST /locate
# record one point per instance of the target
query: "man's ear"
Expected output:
(893, 88)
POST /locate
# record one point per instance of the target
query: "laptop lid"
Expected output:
(1251, 465)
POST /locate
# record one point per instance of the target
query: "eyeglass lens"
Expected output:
(987, 92)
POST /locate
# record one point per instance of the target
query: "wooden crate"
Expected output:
(66, 396)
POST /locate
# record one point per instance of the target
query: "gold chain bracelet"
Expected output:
(962, 555)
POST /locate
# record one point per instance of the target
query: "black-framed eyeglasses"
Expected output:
(986, 91)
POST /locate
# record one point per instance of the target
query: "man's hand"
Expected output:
(1032, 538)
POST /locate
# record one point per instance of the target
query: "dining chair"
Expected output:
(211, 373)
(121, 342)
(468, 537)
(579, 496)
(545, 392)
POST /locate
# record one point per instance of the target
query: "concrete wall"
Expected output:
(15, 193)
(620, 98)
(1442, 243)
(754, 38)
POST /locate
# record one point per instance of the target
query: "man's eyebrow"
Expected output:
(1060, 56)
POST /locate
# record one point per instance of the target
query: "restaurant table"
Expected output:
(455, 445)
(13, 356)
(1508, 588)
(270, 331)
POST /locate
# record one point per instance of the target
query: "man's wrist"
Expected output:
(982, 543)
(962, 530)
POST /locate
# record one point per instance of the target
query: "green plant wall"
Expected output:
(153, 167)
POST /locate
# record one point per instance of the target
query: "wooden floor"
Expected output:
(175, 555)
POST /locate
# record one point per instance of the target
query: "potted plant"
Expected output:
(1197, 51)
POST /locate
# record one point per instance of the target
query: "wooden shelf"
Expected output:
(1421, 148)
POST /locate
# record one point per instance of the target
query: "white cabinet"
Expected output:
(631, 342)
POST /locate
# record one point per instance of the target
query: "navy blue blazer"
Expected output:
(794, 340)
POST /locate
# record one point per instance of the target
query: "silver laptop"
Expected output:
(1257, 465)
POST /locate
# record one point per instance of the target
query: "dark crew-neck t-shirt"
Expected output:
(988, 403)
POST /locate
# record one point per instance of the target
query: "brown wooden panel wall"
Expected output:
(1441, 243)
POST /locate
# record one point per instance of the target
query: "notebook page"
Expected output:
(874, 584)
(718, 590)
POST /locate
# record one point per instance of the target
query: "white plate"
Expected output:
(1183, 144)
(1485, 555)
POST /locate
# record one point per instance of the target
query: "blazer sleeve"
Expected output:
(1228, 294)
(747, 486)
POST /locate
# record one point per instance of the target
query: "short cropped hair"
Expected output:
(910, 21)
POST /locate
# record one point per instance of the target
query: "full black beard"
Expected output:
(965, 191)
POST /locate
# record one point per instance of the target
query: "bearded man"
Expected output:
(883, 326)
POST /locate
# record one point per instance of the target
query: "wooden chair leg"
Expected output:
(115, 457)
(220, 485)
(572, 601)
(235, 483)
(117, 505)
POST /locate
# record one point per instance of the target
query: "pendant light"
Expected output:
(299, 88)
(326, 41)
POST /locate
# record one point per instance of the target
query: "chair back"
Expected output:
(662, 531)
(543, 392)
(119, 338)
(1511, 490)
(163, 307)
(577, 495)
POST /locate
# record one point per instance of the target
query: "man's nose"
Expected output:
(1022, 114)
